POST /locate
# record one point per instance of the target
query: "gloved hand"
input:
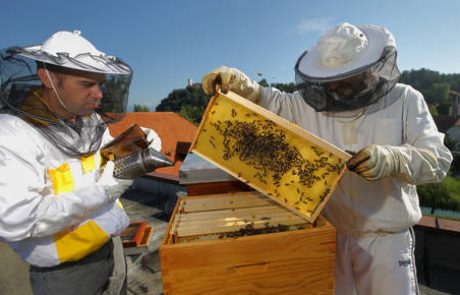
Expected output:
(375, 162)
(113, 186)
(152, 138)
(231, 79)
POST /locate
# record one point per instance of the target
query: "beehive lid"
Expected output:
(274, 156)
(195, 169)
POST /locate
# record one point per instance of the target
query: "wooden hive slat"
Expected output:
(220, 202)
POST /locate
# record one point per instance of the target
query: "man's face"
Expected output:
(346, 88)
(80, 92)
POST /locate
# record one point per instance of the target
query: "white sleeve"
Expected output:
(425, 158)
(28, 207)
(106, 137)
(290, 106)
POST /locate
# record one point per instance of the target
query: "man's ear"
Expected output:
(45, 78)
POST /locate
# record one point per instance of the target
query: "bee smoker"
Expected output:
(139, 163)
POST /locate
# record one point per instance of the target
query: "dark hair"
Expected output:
(58, 70)
(54, 68)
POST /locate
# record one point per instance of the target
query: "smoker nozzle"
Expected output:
(140, 163)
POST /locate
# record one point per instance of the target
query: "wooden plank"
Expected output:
(197, 229)
(263, 216)
(242, 194)
(146, 236)
(132, 235)
(218, 202)
(168, 237)
(229, 213)
(176, 216)
(300, 174)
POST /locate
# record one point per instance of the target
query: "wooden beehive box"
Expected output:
(274, 156)
(245, 243)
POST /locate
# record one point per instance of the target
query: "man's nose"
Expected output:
(96, 92)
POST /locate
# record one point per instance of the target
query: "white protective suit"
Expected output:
(52, 210)
(352, 73)
(369, 259)
(389, 204)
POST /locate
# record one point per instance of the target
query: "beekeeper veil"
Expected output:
(349, 68)
(63, 53)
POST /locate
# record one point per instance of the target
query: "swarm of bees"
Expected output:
(250, 230)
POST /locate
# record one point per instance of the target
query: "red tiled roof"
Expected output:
(171, 127)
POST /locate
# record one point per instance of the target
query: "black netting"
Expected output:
(21, 95)
(18, 78)
(366, 85)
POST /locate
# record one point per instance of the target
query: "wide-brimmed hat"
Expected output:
(71, 50)
(345, 48)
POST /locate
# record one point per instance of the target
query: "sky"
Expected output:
(170, 41)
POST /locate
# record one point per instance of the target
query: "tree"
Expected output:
(434, 86)
(433, 110)
(444, 195)
(141, 108)
(263, 83)
(189, 102)
(192, 113)
(438, 93)
(286, 87)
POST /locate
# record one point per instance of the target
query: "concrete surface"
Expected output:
(14, 273)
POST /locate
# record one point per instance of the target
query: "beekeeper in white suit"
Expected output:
(348, 94)
(59, 206)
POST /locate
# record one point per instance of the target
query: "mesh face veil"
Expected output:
(353, 90)
(64, 53)
(349, 68)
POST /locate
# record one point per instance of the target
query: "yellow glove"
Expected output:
(231, 79)
(375, 162)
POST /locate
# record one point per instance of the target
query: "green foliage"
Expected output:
(433, 110)
(434, 86)
(444, 195)
(263, 83)
(192, 113)
(286, 87)
(438, 93)
(443, 108)
(141, 108)
(189, 102)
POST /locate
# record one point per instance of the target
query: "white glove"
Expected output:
(152, 138)
(231, 79)
(114, 187)
(375, 162)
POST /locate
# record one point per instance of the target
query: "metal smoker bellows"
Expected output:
(140, 163)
